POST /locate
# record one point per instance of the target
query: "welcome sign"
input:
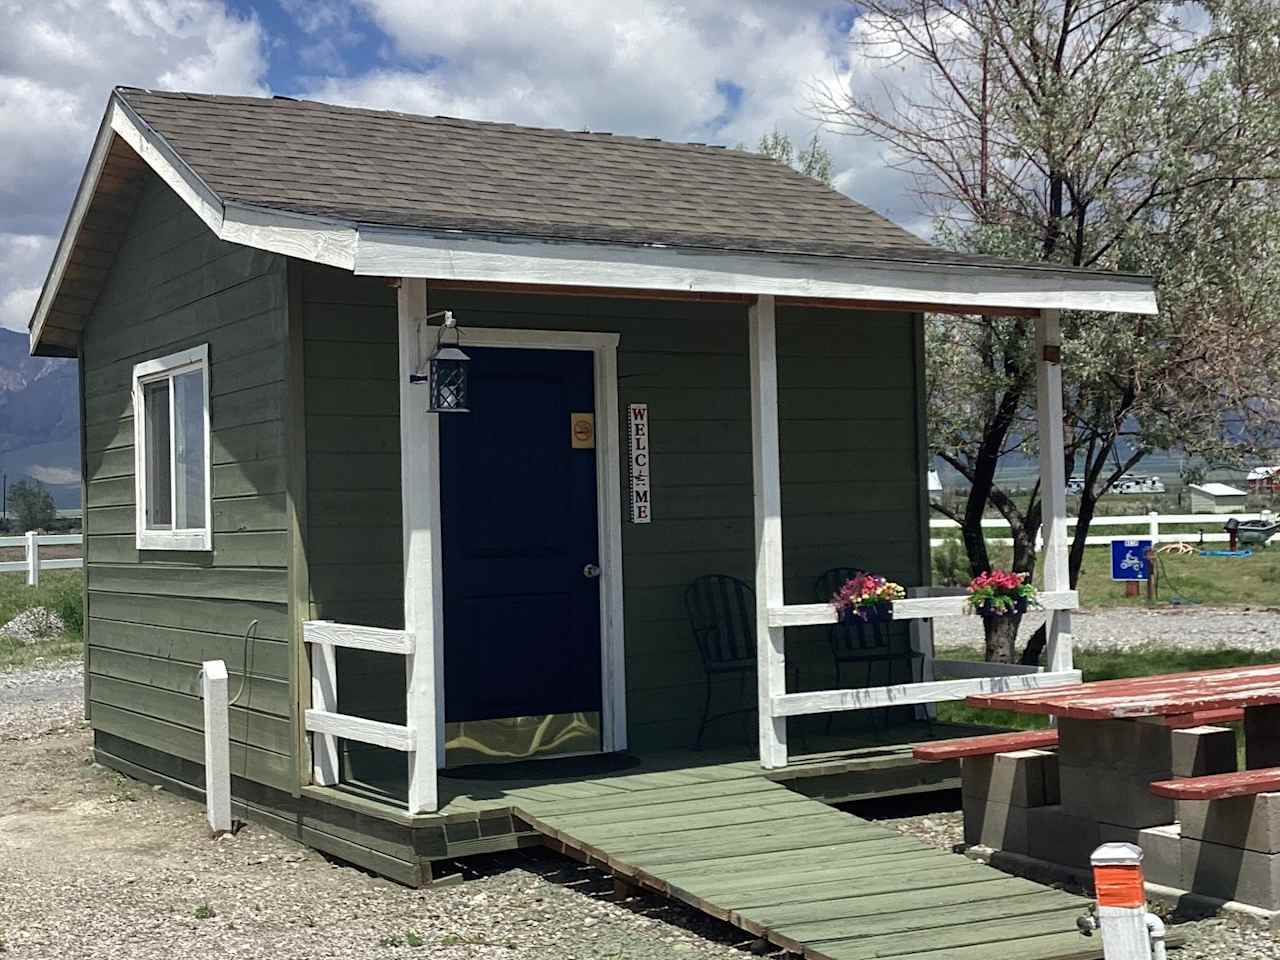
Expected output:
(638, 431)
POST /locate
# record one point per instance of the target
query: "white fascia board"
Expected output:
(317, 239)
(385, 251)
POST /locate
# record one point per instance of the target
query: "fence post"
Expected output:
(1122, 901)
(1155, 528)
(217, 746)
(33, 559)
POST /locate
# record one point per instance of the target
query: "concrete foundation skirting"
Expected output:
(1182, 903)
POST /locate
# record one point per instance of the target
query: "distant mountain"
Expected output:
(39, 419)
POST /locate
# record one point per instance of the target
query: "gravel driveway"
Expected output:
(1201, 628)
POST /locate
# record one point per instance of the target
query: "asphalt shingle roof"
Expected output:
(379, 167)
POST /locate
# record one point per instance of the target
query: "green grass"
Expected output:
(1105, 665)
(60, 591)
(1213, 581)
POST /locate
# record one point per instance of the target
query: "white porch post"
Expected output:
(767, 477)
(420, 512)
(1053, 484)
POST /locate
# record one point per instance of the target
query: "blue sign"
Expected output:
(1129, 560)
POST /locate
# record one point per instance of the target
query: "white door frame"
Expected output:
(604, 350)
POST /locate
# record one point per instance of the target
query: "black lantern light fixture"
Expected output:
(446, 375)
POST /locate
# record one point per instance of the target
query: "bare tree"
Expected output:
(1097, 134)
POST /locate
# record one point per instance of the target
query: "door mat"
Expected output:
(549, 768)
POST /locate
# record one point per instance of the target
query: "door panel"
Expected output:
(519, 524)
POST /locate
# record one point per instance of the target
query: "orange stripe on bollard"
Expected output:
(1119, 885)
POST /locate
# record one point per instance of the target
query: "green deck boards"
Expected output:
(742, 845)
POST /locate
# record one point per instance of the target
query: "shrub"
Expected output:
(66, 599)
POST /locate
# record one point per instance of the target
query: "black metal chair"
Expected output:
(722, 616)
(870, 644)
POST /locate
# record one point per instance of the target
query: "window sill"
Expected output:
(175, 540)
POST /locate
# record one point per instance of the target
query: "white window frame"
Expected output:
(151, 371)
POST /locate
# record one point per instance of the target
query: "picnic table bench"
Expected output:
(1139, 760)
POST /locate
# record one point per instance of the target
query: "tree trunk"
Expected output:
(1002, 638)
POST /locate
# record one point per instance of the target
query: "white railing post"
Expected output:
(420, 515)
(33, 559)
(1053, 484)
(217, 746)
(1154, 528)
(324, 696)
(771, 672)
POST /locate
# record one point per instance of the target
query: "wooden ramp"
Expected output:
(805, 876)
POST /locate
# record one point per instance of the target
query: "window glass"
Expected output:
(188, 449)
(159, 506)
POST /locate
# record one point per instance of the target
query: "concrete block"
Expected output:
(1250, 822)
(1055, 835)
(1231, 873)
(1001, 826)
(1161, 854)
(1140, 745)
(1122, 797)
(1202, 751)
(1262, 737)
(1017, 777)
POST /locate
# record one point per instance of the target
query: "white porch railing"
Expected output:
(953, 679)
(323, 721)
(32, 564)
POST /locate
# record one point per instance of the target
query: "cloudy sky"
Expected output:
(702, 70)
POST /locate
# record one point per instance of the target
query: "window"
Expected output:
(171, 451)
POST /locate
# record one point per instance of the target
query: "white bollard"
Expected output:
(33, 559)
(1122, 901)
(217, 746)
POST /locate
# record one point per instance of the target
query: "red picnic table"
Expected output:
(1253, 690)
(1121, 768)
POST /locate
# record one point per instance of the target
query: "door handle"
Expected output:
(591, 571)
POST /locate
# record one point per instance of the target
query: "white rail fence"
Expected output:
(1209, 527)
(32, 564)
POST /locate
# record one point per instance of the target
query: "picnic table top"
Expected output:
(1161, 695)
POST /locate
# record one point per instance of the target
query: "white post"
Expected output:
(217, 746)
(1155, 528)
(1122, 902)
(324, 696)
(33, 559)
(771, 671)
(1053, 484)
(420, 514)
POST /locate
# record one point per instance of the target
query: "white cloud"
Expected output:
(59, 60)
(644, 67)
(54, 475)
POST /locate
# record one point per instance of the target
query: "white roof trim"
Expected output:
(382, 251)
(309, 238)
(395, 252)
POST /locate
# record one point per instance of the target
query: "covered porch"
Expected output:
(420, 739)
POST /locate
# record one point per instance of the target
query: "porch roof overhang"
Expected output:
(905, 278)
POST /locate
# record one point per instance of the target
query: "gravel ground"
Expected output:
(1202, 628)
(93, 864)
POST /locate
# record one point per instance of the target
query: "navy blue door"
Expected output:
(518, 518)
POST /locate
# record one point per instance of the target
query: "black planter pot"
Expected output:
(881, 612)
(985, 609)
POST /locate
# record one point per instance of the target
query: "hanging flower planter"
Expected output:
(1001, 593)
(867, 598)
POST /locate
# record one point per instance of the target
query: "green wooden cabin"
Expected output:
(673, 349)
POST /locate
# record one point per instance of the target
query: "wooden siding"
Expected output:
(153, 616)
(851, 471)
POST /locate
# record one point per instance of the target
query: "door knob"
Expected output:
(591, 571)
